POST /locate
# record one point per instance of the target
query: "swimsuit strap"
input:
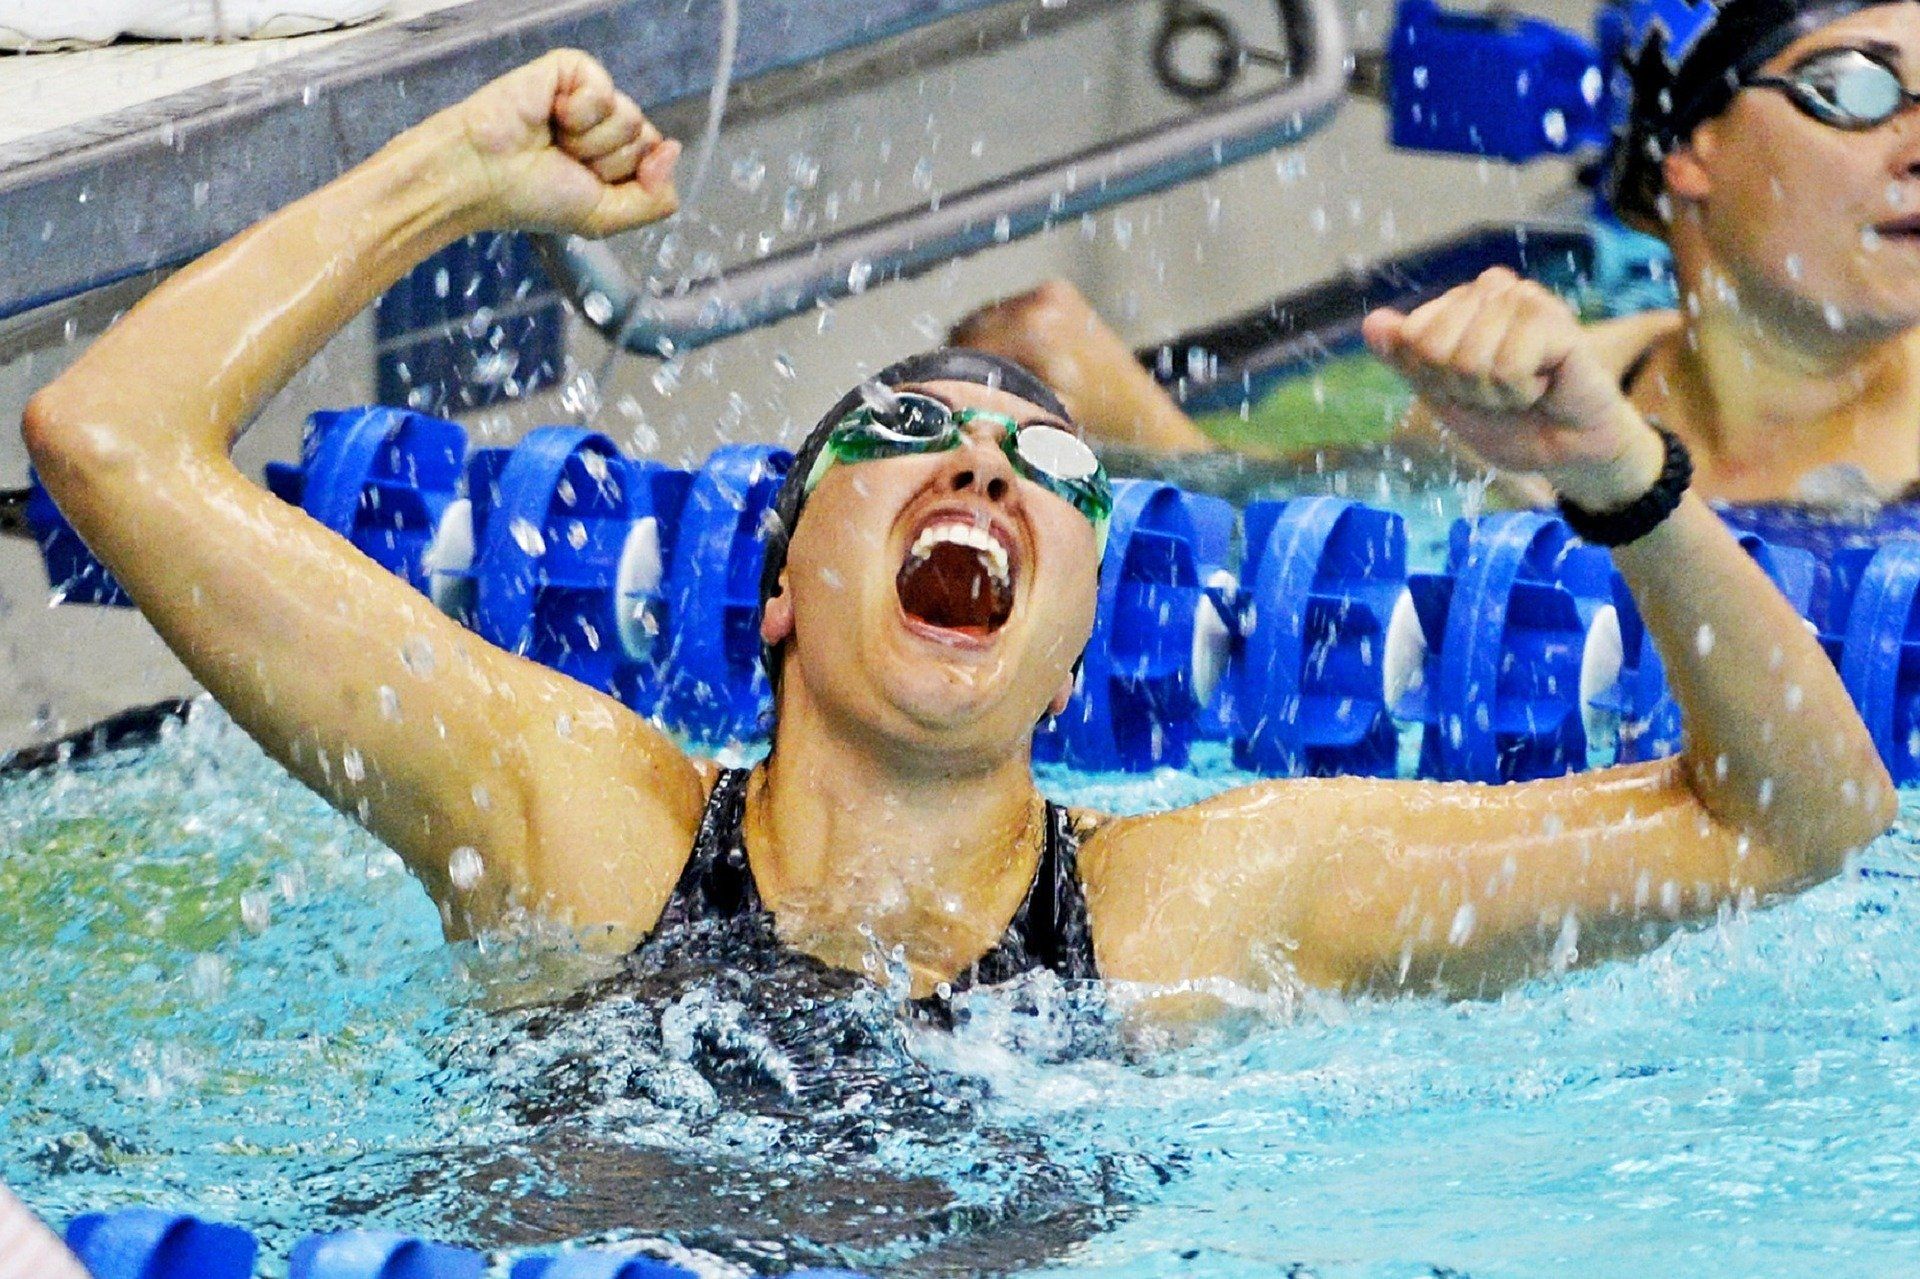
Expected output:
(1050, 930)
(717, 882)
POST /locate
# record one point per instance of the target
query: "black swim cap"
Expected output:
(948, 364)
(1682, 62)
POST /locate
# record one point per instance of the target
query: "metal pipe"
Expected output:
(910, 243)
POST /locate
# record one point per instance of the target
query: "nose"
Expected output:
(980, 466)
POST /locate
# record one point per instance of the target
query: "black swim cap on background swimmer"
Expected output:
(949, 364)
(1683, 61)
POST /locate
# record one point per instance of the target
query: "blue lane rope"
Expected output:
(149, 1243)
(1517, 660)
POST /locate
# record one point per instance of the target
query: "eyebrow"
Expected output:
(1892, 54)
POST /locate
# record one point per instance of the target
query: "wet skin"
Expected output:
(897, 814)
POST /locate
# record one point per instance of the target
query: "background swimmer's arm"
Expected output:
(1054, 333)
(1378, 884)
(503, 785)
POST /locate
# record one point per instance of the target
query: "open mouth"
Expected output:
(957, 577)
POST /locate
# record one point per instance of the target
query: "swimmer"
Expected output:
(931, 582)
(1781, 163)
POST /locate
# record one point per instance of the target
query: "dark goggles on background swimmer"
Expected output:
(1845, 88)
(1055, 459)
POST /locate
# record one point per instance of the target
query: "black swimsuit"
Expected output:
(1050, 929)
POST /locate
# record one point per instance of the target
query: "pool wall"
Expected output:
(1154, 267)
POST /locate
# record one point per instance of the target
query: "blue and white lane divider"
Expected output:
(1521, 658)
(148, 1243)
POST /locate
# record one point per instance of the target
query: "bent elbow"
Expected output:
(44, 426)
(66, 443)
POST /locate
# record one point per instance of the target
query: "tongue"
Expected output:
(952, 589)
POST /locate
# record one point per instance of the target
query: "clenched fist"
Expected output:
(554, 146)
(1505, 365)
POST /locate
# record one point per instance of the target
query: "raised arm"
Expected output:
(505, 786)
(1368, 884)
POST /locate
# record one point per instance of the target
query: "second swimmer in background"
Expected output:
(1779, 158)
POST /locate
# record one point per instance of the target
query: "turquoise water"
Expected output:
(220, 996)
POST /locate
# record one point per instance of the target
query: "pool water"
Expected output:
(221, 996)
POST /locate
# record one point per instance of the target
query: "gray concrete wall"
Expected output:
(1155, 266)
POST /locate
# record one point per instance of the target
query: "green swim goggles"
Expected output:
(1058, 461)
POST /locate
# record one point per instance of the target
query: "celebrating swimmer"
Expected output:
(930, 584)
(1772, 146)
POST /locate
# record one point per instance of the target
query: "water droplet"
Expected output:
(417, 656)
(1592, 84)
(1796, 268)
(1553, 125)
(207, 977)
(1703, 639)
(256, 911)
(923, 175)
(858, 275)
(482, 798)
(1461, 931)
(1420, 77)
(465, 868)
(527, 537)
(749, 171)
(353, 765)
(1835, 320)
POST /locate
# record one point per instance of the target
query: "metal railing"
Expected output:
(707, 309)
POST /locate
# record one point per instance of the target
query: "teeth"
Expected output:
(968, 535)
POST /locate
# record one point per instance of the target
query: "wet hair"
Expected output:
(1682, 62)
(948, 364)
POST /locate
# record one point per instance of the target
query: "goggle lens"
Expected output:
(1056, 452)
(1845, 88)
(911, 419)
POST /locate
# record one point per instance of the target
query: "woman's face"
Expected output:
(1822, 221)
(940, 598)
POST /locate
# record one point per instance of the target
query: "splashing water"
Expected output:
(222, 996)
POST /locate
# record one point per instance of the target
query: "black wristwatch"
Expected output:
(1645, 513)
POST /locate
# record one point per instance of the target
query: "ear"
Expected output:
(1063, 696)
(776, 619)
(1686, 170)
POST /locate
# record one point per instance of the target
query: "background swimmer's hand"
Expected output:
(554, 146)
(1505, 365)
(1054, 333)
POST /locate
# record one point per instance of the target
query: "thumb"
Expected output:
(1381, 330)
